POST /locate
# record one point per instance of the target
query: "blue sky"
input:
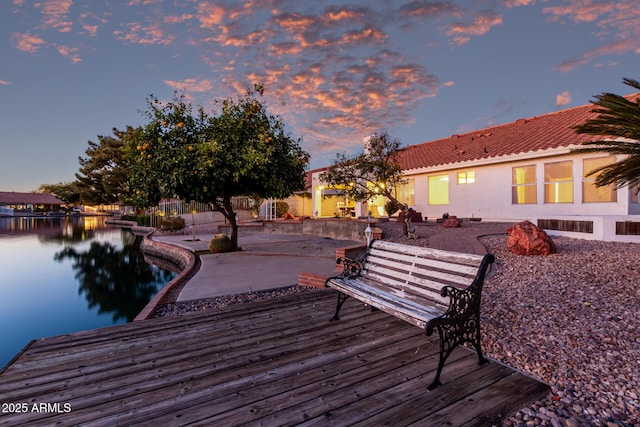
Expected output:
(336, 71)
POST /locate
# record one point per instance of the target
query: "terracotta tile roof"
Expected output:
(544, 132)
(11, 197)
(309, 176)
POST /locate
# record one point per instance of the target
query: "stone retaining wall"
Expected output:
(338, 229)
(185, 260)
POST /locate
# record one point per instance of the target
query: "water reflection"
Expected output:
(113, 280)
(61, 275)
(61, 229)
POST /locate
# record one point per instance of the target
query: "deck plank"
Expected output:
(273, 362)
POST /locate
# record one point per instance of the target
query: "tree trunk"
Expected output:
(230, 215)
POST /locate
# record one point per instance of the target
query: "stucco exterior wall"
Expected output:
(489, 197)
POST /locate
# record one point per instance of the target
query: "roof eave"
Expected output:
(509, 158)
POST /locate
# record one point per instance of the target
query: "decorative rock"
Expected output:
(452, 222)
(525, 238)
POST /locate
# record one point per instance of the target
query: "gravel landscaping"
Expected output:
(570, 319)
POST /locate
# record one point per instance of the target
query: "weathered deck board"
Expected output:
(275, 362)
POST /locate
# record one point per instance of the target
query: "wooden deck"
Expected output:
(275, 362)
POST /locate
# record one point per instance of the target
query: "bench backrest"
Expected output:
(419, 273)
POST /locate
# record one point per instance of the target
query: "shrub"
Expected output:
(281, 209)
(141, 220)
(391, 207)
(172, 223)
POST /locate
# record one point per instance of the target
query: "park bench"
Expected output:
(429, 288)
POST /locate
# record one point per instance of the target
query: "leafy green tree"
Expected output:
(68, 192)
(618, 117)
(241, 151)
(374, 172)
(104, 172)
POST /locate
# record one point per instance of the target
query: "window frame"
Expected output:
(589, 181)
(515, 186)
(558, 183)
(466, 177)
(432, 179)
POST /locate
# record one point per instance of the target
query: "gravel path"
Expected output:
(570, 319)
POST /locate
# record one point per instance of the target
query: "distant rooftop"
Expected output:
(12, 197)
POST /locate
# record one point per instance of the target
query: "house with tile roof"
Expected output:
(12, 202)
(523, 170)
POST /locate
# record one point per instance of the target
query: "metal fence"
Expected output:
(175, 207)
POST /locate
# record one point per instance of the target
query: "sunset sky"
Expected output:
(336, 71)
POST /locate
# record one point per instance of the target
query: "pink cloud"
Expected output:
(73, 53)
(365, 35)
(136, 33)
(619, 20)
(580, 10)
(90, 23)
(563, 99)
(482, 22)
(518, 3)
(178, 19)
(285, 48)
(55, 15)
(4, 83)
(27, 42)
(615, 47)
(143, 2)
(421, 9)
(295, 22)
(191, 85)
(336, 15)
(210, 15)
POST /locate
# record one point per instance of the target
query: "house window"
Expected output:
(439, 190)
(466, 177)
(558, 182)
(591, 193)
(406, 193)
(523, 185)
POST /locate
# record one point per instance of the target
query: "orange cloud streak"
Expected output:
(27, 42)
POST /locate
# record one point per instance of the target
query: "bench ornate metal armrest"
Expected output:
(351, 267)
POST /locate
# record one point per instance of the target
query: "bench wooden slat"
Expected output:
(413, 272)
(426, 288)
(439, 254)
(417, 295)
(423, 261)
(414, 313)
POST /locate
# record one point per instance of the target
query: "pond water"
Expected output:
(61, 275)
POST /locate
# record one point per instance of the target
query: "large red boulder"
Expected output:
(525, 238)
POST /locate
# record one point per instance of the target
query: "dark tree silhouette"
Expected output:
(116, 281)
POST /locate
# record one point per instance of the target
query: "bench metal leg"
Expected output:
(341, 299)
(476, 342)
(451, 336)
(446, 348)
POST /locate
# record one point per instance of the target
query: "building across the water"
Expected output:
(14, 204)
